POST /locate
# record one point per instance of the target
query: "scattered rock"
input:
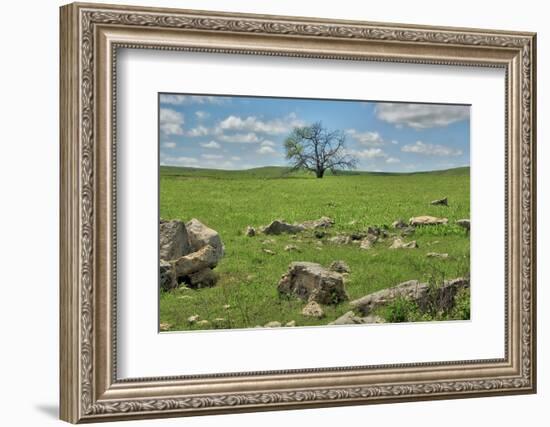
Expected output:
(290, 248)
(375, 233)
(268, 242)
(352, 222)
(348, 318)
(226, 306)
(464, 223)
(187, 297)
(323, 222)
(193, 319)
(250, 231)
(421, 293)
(165, 327)
(339, 266)
(313, 309)
(173, 240)
(437, 255)
(204, 278)
(268, 251)
(273, 324)
(399, 224)
(206, 257)
(427, 220)
(201, 236)
(203, 323)
(366, 244)
(312, 282)
(219, 321)
(280, 227)
(440, 202)
(340, 239)
(290, 323)
(400, 244)
(167, 276)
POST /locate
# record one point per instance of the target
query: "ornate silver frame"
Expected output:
(90, 36)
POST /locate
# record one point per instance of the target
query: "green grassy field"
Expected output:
(228, 201)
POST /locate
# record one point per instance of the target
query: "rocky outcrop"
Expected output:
(424, 295)
(427, 220)
(188, 253)
(250, 231)
(312, 282)
(173, 240)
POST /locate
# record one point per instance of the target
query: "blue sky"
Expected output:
(229, 132)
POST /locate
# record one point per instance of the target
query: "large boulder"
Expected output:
(312, 282)
(205, 257)
(279, 227)
(350, 318)
(173, 240)
(422, 294)
(200, 236)
(415, 221)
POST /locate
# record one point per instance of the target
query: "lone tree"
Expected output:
(316, 149)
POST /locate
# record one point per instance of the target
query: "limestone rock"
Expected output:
(421, 293)
(250, 231)
(312, 282)
(313, 309)
(427, 220)
(323, 222)
(167, 275)
(204, 278)
(200, 236)
(280, 227)
(437, 255)
(173, 240)
(290, 248)
(205, 257)
(366, 244)
(400, 244)
(290, 323)
(193, 319)
(348, 318)
(340, 240)
(273, 324)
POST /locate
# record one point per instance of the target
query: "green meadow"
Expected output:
(246, 292)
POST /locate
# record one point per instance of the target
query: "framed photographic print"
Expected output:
(266, 212)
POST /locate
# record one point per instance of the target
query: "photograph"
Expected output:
(293, 212)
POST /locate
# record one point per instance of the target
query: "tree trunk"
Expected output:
(319, 173)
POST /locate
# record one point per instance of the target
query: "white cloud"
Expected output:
(191, 99)
(169, 144)
(267, 143)
(421, 116)
(266, 150)
(198, 131)
(211, 144)
(235, 158)
(202, 114)
(179, 161)
(394, 142)
(368, 153)
(392, 160)
(367, 138)
(253, 124)
(245, 138)
(171, 122)
(212, 156)
(420, 147)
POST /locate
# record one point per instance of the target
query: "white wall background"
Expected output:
(29, 170)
